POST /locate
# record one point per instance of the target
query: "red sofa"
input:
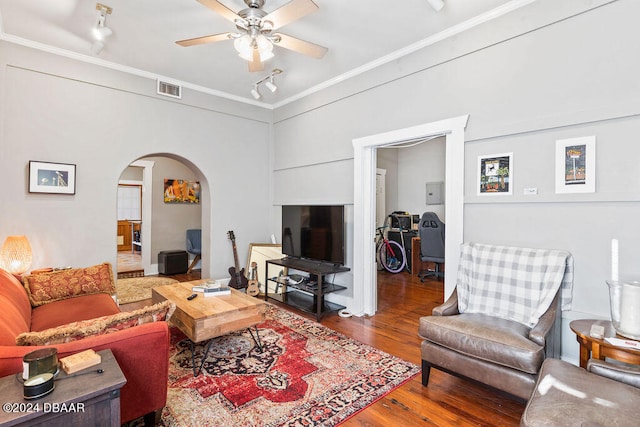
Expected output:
(142, 351)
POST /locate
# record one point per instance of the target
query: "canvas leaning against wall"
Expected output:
(181, 191)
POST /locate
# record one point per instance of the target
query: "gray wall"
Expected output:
(547, 71)
(170, 221)
(542, 73)
(409, 169)
(61, 110)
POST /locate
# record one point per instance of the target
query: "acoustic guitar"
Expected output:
(253, 287)
(238, 279)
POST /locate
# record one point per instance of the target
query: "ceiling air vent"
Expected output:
(169, 89)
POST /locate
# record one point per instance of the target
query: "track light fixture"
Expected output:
(436, 5)
(255, 92)
(100, 30)
(270, 85)
(268, 82)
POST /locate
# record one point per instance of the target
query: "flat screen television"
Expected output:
(313, 232)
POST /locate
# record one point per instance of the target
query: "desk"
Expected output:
(591, 347)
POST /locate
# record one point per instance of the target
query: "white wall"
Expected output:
(418, 165)
(409, 169)
(60, 110)
(545, 72)
(170, 221)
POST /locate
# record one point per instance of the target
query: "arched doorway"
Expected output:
(164, 227)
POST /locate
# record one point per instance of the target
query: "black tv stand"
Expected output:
(307, 295)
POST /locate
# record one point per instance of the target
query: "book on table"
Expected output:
(212, 289)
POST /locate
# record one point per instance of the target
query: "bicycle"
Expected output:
(389, 253)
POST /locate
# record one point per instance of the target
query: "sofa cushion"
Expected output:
(489, 338)
(44, 288)
(15, 309)
(69, 310)
(98, 326)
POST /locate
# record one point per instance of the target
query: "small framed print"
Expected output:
(576, 165)
(495, 174)
(52, 178)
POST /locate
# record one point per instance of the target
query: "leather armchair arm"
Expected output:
(624, 374)
(449, 307)
(539, 332)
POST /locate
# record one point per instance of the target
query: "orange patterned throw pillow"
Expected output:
(43, 288)
(99, 326)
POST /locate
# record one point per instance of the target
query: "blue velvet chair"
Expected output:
(194, 246)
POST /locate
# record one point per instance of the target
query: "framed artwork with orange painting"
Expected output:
(181, 191)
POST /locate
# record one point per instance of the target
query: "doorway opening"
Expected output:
(364, 268)
(163, 226)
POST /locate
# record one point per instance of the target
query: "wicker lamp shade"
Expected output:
(15, 255)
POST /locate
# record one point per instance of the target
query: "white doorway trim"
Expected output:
(145, 228)
(364, 268)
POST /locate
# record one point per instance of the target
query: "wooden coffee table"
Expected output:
(204, 318)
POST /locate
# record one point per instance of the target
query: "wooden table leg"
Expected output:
(415, 255)
(585, 352)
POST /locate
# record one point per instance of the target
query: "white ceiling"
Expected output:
(358, 34)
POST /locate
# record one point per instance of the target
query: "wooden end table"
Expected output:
(204, 318)
(84, 398)
(591, 347)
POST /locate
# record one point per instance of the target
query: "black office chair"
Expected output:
(194, 243)
(431, 244)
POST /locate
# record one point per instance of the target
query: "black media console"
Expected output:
(305, 293)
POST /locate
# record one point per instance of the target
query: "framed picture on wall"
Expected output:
(495, 174)
(181, 191)
(576, 165)
(52, 178)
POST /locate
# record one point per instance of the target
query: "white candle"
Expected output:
(614, 260)
(630, 310)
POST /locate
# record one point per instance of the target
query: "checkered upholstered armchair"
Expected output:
(506, 322)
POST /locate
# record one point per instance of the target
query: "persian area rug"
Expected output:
(307, 375)
(139, 288)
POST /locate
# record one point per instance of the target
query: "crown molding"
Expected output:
(435, 38)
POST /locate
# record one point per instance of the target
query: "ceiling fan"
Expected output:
(255, 38)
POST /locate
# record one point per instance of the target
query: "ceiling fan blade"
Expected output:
(220, 9)
(291, 11)
(204, 39)
(256, 64)
(304, 47)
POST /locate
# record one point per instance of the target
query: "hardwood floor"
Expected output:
(447, 401)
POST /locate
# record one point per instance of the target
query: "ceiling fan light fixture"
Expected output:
(266, 55)
(243, 47)
(265, 48)
(436, 5)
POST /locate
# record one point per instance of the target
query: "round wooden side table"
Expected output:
(591, 347)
